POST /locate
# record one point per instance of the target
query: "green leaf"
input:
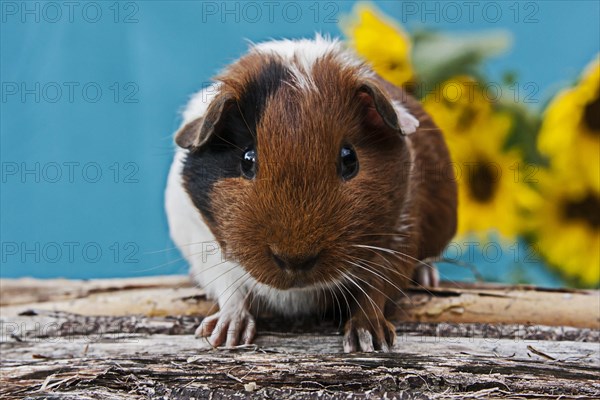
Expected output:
(438, 57)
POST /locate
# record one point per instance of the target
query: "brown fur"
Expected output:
(298, 206)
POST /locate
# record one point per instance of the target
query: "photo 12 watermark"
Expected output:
(69, 252)
(54, 12)
(489, 251)
(69, 92)
(473, 92)
(84, 330)
(525, 12)
(255, 12)
(27, 172)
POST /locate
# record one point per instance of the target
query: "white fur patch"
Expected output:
(294, 301)
(300, 56)
(408, 123)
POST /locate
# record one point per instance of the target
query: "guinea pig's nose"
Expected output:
(295, 263)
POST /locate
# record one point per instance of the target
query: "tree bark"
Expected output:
(133, 338)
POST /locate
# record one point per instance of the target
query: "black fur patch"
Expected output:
(220, 157)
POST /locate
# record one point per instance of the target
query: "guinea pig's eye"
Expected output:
(348, 162)
(248, 163)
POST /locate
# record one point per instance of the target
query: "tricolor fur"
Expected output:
(297, 102)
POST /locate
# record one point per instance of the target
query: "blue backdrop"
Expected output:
(91, 93)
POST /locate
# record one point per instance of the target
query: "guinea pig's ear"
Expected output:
(382, 110)
(197, 132)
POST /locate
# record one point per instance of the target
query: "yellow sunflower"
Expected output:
(492, 189)
(567, 228)
(380, 41)
(570, 133)
(463, 112)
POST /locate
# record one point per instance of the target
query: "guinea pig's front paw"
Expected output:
(368, 334)
(232, 327)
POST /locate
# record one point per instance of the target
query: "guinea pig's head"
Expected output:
(298, 164)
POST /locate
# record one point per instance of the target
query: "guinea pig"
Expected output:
(304, 183)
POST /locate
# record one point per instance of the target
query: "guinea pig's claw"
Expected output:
(231, 327)
(426, 275)
(361, 334)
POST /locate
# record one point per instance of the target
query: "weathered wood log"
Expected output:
(30, 290)
(174, 295)
(129, 350)
(67, 356)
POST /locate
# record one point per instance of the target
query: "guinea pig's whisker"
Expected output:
(179, 246)
(360, 264)
(379, 276)
(393, 252)
(250, 290)
(259, 303)
(341, 288)
(320, 292)
(161, 251)
(377, 289)
(228, 142)
(384, 234)
(323, 289)
(160, 265)
(390, 267)
(369, 139)
(245, 122)
(326, 293)
(334, 294)
(206, 285)
(415, 259)
(376, 308)
(349, 276)
(334, 297)
(399, 254)
(358, 302)
(245, 275)
(372, 249)
(337, 300)
(166, 263)
(256, 297)
(368, 264)
(178, 260)
(463, 264)
(196, 274)
(366, 267)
